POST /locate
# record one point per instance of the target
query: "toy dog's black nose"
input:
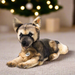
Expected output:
(24, 43)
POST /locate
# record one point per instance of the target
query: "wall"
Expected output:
(65, 15)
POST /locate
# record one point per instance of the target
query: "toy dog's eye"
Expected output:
(30, 34)
(21, 35)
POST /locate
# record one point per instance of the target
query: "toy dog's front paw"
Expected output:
(22, 65)
(11, 64)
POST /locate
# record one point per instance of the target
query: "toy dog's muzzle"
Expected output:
(26, 41)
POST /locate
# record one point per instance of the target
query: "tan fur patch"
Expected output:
(30, 63)
(54, 56)
(15, 61)
(40, 62)
(32, 30)
(29, 28)
(32, 52)
(20, 31)
(18, 60)
(53, 44)
(63, 49)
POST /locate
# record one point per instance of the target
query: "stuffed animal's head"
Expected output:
(27, 33)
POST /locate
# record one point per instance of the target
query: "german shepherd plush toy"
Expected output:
(34, 51)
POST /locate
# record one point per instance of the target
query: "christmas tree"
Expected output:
(30, 7)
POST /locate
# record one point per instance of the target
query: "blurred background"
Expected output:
(57, 23)
(55, 14)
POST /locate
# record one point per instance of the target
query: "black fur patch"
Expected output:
(57, 42)
(29, 35)
(31, 24)
(18, 26)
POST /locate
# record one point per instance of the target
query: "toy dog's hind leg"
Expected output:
(54, 56)
(41, 62)
(62, 49)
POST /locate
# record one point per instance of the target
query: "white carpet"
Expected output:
(64, 65)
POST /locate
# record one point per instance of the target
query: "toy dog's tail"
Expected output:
(63, 49)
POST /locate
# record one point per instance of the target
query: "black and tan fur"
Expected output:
(34, 51)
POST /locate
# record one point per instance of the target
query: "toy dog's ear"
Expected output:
(37, 22)
(16, 24)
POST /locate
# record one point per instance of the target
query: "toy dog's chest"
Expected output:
(28, 54)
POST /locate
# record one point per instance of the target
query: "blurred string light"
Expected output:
(50, 6)
(22, 7)
(29, 7)
(12, 10)
(13, 0)
(56, 7)
(48, 2)
(3, 1)
(38, 7)
(36, 13)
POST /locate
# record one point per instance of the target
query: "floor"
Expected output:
(64, 65)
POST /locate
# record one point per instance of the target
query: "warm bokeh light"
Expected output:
(36, 13)
(22, 7)
(12, 10)
(38, 7)
(56, 7)
(13, 0)
(48, 2)
(3, 1)
(50, 6)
